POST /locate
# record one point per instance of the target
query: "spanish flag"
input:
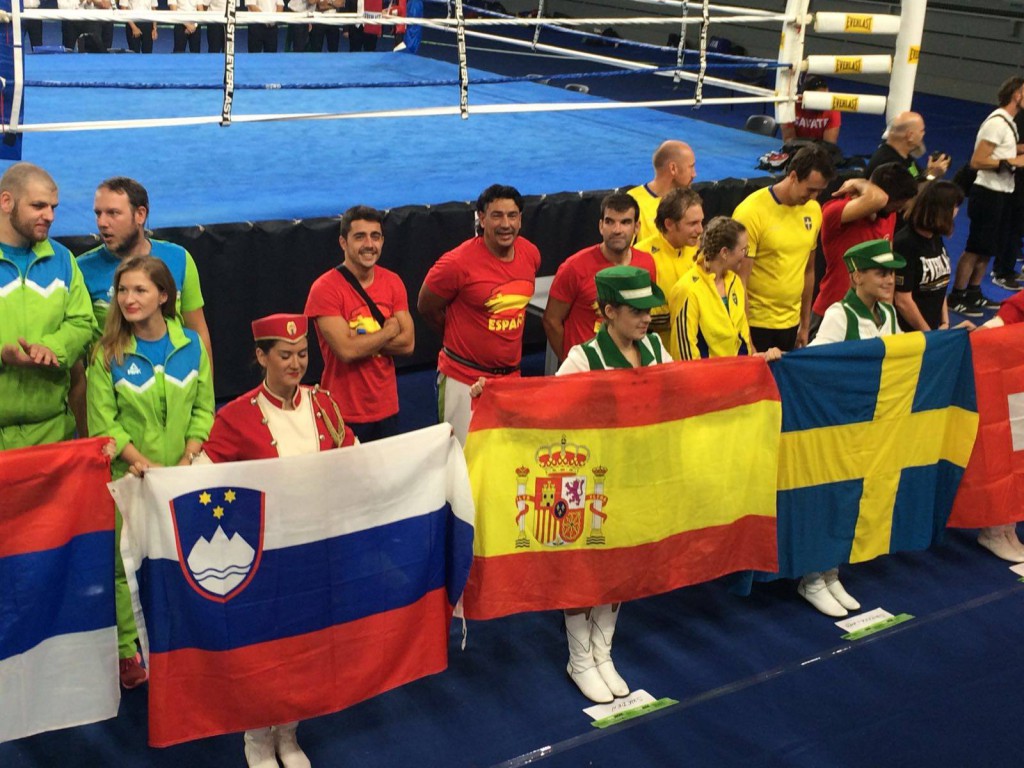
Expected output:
(614, 485)
(875, 438)
(992, 490)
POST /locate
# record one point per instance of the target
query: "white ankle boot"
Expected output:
(997, 540)
(813, 589)
(259, 748)
(288, 748)
(839, 592)
(602, 628)
(582, 668)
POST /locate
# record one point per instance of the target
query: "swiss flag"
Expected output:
(992, 489)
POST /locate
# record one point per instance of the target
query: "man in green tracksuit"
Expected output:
(46, 317)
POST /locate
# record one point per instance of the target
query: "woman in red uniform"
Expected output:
(281, 417)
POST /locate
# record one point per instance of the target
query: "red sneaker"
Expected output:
(133, 674)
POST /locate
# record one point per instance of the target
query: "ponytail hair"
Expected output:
(721, 232)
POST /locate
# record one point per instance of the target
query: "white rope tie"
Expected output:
(229, 63)
(540, 16)
(681, 48)
(460, 39)
(706, 22)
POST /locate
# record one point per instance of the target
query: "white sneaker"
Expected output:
(816, 593)
(288, 749)
(259, 749)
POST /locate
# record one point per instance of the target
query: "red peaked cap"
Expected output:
(280, 327)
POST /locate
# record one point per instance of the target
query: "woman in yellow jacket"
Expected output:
(708, 305)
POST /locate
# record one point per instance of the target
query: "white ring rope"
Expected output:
(490, 109)
(757, 94)
(250, 17)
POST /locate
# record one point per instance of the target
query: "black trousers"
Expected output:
(182, 40)
(262, 38)
(215, 38)
(321, 32)
(359, 40)
(144, 42)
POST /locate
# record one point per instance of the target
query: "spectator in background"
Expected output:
(903, 142)
(990, 205)
(813, 124)
(862, 210)
(675, 166)
(299, 33)
(363, 37)
(215, 31)
(263, 37)
(921, 284)
(186, 35)
(331, 33)
(140, 35)
(32, 27)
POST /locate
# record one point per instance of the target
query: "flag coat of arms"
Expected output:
(58, 639)
(282, 589)
(614, 485)
(875, 438)
(992, 489)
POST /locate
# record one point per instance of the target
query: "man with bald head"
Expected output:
(46, 317)
(903, 144)
(675, 167)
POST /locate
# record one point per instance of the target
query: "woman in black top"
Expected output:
(921, 284)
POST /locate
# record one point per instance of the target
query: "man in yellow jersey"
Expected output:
(673, 246)
(783, 221)
(675, 167)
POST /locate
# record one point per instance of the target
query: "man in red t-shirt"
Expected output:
(817, 125)
(475, 297)
(572, 315)
(359, 341)
(862, 210)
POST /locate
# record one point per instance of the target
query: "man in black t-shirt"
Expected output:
(903, 142)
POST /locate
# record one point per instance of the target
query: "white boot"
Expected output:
(602, 628)
(259, 749)
(839, 592)
(582, 668)
(288, 748)
(812, 588)
(996, 540)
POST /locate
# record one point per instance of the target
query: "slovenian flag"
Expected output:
(58, 640)
(614, 485)
(282, 589)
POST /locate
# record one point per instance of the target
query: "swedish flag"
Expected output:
(875, 438)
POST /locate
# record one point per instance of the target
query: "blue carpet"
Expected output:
(303, 169)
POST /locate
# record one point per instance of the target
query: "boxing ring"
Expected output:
(296, 169)
(267, 137)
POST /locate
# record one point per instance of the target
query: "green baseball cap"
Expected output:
(873, 254)
(628, 285)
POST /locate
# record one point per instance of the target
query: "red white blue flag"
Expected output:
(283, 589)
(58, 640)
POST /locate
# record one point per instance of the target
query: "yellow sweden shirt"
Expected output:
(781, 240)
(648, 203)
(672, 264)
